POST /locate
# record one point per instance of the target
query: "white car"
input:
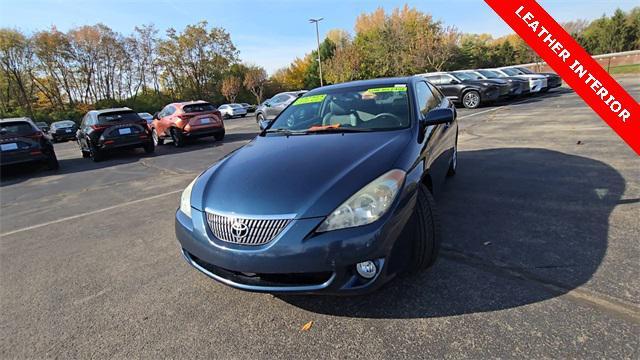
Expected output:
(536, 82)
(232, 110)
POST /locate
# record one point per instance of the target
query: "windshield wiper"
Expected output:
(335, 130)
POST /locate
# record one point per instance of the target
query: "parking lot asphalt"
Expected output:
(540, 256)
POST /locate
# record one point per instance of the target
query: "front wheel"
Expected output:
(423, 232)
(259, 118)
(471, 99)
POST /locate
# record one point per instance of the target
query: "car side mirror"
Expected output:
(155, 114)
(264, 124)
(454, 82)
(267, 104)
(437, 116)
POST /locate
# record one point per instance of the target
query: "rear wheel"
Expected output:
(423, 233)
(471, 99)
(52, 161)
(177, 137)
(219, 136)
(94, 153)
(149, 148)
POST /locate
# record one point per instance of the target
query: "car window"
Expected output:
(365, 108)
(437, 94)
(435, 79)
(118, 116)
(280, 98)
(200, 107)
(424, 97)
(16, 128)
(448, 79)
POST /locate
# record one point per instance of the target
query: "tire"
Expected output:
(219, 136)
(471, 99)
(149, 148)
(52, 161)
(156, 139)
(423, 232)
(85, 154)
(177, 137)
(245, 115)
(259, 118)
(453, 165)
(94, 153)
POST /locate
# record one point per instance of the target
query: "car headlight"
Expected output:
(367, 205)
(185, 199)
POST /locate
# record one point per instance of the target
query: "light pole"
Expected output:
(316, 21)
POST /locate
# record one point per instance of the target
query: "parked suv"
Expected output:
(104, 130)
(269, 109)
(182, 121)
(467, 90)
(64, 130)
(21, 141)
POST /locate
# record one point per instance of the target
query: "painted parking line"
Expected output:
(93, 212)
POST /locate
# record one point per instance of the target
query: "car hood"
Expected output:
(297, 176)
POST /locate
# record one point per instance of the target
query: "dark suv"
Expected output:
(470, 92)
(64, 130)
(21, 141)
(108, 129)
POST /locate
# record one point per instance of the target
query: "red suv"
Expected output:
(182, 121)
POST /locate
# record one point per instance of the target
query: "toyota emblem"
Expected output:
(239, 230)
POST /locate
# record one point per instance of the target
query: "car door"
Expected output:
(82, 132)
(434, 150)
(450, 87)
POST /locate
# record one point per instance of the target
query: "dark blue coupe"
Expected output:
(334, 196)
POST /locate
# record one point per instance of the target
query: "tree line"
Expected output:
(53, 75)
(407, 41)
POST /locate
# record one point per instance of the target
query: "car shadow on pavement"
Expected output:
(519, 225)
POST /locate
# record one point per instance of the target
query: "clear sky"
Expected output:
(271, 33)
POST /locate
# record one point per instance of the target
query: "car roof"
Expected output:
(371, 82)
(191, 102)
(109, 110)
(24, 118)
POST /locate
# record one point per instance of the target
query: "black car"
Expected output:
(109, 129)
(64, 130)
(21, 141)
(467, 90)
(355, 209)
(553, 80)
(43, 126)
(517, 86)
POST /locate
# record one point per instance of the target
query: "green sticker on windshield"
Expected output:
(310, 99)
(388, 89)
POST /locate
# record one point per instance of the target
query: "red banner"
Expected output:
(576, 67)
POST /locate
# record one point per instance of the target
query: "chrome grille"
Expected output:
(245, 231)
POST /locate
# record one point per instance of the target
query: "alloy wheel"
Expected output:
(471, 100)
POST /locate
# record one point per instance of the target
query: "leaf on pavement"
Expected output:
(307, 326)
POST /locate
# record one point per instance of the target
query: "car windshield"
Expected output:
(511, 72)
(467, 75)
(374, 107)
(489, 74)
(199, 108)
(63, 124)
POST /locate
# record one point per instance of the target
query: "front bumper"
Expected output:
(298, 260)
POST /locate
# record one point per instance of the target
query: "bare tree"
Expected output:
(231, 87)
(254, 81)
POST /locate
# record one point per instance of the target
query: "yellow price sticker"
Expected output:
(310, 99)
(387, 89)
